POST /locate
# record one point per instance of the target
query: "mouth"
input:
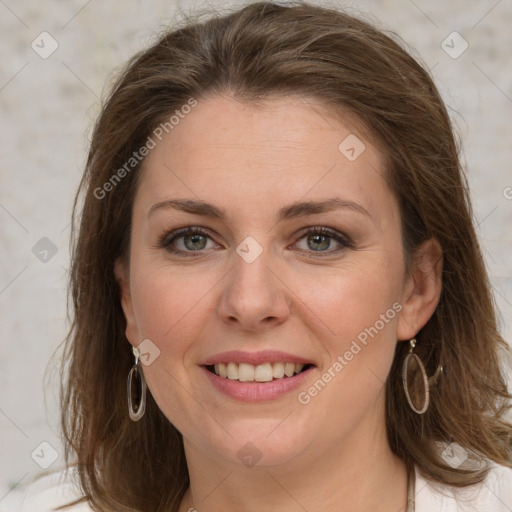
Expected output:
(256, 376)
(265, 372)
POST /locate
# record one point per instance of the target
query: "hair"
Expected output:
(261, 51)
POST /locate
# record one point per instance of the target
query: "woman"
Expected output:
(280, 301)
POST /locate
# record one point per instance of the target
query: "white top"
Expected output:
(494, 494)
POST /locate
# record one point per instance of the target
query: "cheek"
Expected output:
(359, 308)
(168, 304)
(348, 300)
(170, 307)
(356, 308)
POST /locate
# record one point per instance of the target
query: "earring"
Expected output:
(136, 372)
(405, 372)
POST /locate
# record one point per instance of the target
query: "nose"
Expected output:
(254, 298)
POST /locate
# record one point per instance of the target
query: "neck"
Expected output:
(359, 473)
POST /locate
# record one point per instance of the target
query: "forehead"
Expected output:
(278, 150)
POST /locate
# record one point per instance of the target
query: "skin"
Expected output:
(251, 161)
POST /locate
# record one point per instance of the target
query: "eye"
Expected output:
(187, 240)
(322, 240)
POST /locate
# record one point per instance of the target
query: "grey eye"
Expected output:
(194, 242)
(319, 242)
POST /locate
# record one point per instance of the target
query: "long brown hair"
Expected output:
(258, 51)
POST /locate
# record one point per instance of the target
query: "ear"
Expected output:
(121, 273)
(422, 289)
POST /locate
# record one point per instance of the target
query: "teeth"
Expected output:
(232, 371)
(245, 372)
(265, 372)
(289, 369)
(278, 370)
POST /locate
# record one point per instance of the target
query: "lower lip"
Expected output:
(256, 391)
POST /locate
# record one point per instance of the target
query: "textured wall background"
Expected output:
(48, 102)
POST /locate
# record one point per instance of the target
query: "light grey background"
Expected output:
(47, 107)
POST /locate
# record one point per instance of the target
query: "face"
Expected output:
(262, 244)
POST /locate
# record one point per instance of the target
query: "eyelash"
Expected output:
(167, 239)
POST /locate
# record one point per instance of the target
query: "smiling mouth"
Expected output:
(265, 372)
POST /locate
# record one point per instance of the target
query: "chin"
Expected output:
(262, 444)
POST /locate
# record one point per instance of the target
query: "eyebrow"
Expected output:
(196, 207)
(292, 211)
(304, 208)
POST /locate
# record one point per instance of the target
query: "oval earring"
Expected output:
(411, 356)
(136, 413)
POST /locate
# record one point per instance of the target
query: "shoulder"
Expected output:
(494, 493)
(54, 490)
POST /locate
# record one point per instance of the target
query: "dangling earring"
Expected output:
(136, 371)
(433, 381)
(405, 371)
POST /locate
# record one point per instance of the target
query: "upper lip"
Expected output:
(255, 358)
